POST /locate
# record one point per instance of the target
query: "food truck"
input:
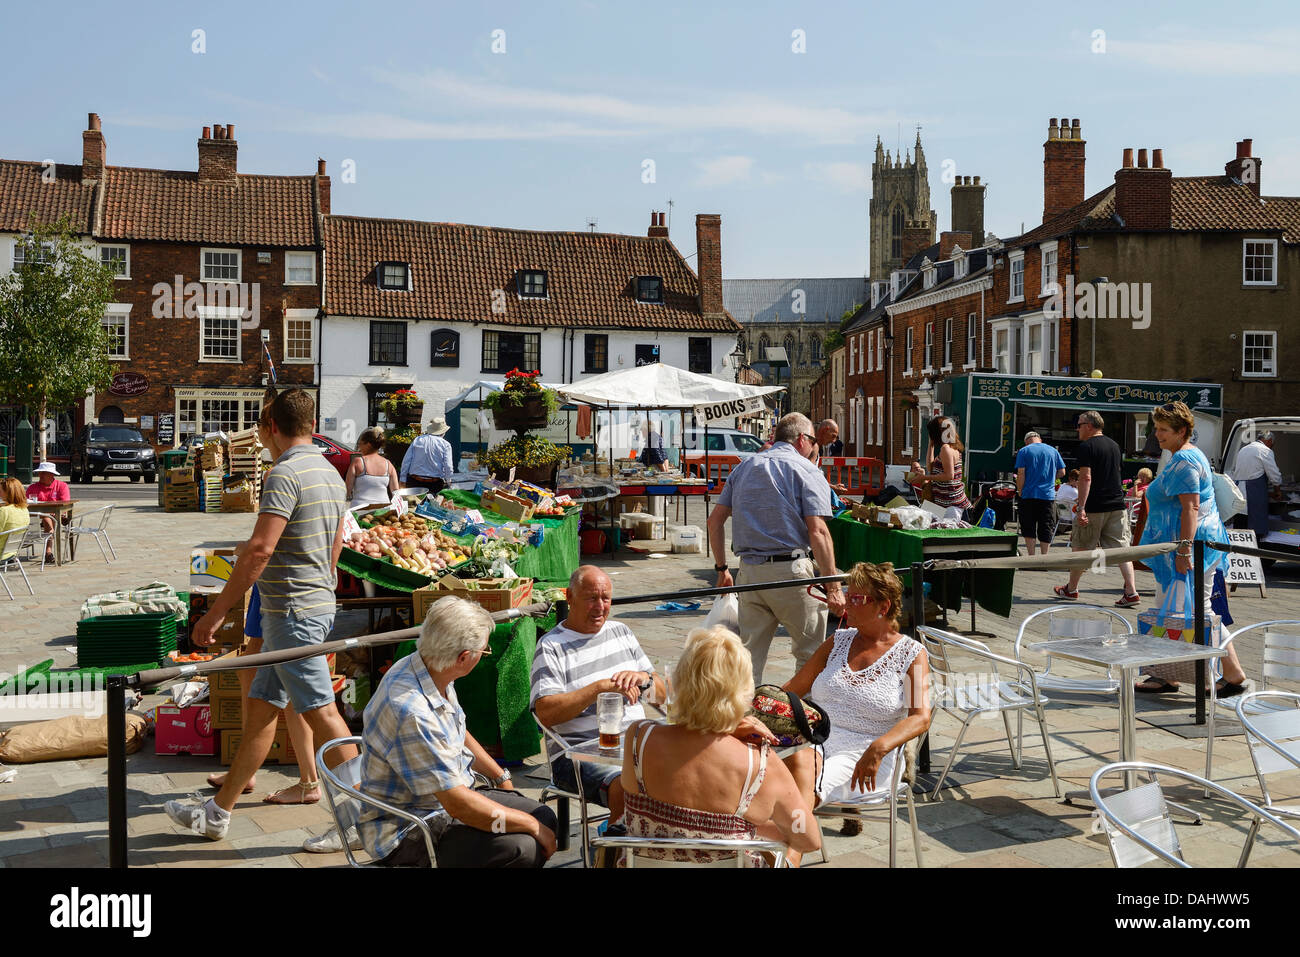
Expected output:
(993, 413)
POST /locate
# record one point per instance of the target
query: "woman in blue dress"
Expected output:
(1181, 507)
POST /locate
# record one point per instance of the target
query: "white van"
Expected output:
(720, 442)
(1285, 514)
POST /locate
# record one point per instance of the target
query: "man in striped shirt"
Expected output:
(580, 658)
(292, 556)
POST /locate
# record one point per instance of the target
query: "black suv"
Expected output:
(109, 450)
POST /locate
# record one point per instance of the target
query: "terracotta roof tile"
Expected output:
(23, 194)
(1285, 211)
(455, 268)
(172, 206)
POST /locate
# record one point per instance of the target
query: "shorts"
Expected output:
(305, 683)
(596, 778)
(1038, 519)
(1104, 530)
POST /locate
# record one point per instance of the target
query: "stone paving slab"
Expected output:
(53, 814)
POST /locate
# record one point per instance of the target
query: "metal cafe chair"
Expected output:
(562, 798)
(1068, 623)
(1281, 663)
(1274, 739)
(880, 799)
(10, 542)
(1138, 825)
(96, 528)
(37, 537)
(738, 848)
(967, 695)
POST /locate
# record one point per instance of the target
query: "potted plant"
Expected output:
(403, 407)
(523, 404)
(533, 459)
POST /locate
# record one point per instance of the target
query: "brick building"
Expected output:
(219, 279)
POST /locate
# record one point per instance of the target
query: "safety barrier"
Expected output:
(859, 474)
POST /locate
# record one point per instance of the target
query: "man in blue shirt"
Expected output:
(1038, 466)
(428, 461)
(780, 501)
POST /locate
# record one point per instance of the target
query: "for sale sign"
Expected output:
(1244, 569)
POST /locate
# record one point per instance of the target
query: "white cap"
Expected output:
(46, 467)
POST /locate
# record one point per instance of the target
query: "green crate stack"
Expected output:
(116, 640)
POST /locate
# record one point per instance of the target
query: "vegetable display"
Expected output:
(408, 542)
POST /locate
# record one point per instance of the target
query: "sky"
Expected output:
(552, 115)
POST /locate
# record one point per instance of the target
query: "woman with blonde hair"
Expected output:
(371, 479)
(708, 775)
(874, 682)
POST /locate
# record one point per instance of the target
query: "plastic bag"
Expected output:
(725, 612)
(1227, 497)
(913, 517)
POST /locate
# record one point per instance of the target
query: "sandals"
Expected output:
(1063, 592)
(217, 779)
(1156, 686)
(1226, 689)
(308, 792)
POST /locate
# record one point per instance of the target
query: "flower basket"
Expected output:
(523, 404)
(542, 475)
(531, 413)
(407, 414)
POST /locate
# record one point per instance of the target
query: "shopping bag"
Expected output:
(725, 612)
(1227, 497)
(1175, 619)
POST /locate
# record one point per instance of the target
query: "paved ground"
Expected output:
(53, 814)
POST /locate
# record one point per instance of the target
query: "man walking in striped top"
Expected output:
(580, 658)
(292, 556)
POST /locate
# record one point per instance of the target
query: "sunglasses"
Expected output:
(860, 599)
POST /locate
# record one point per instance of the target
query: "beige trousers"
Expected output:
(803, 616)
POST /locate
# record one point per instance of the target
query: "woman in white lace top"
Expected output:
(873, 682)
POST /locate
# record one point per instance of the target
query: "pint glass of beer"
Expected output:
(609, 717)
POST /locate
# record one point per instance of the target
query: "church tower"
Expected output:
(900, 196)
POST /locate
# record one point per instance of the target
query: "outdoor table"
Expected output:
(62, 513)
(1131, 656)
(591, 750)
(856, 541)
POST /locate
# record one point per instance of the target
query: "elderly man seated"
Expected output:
(580, 658)
(418, 756)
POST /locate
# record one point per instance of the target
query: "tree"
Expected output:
(53, 345)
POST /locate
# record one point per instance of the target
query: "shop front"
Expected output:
(198, 410)
(993, 413)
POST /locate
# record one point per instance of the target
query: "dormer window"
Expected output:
(393, 275)
(929, 273)
(959, 262)
(649, 289)
(878, 293)
(532, 284)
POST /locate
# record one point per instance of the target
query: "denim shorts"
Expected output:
(306, 683)
(596, 778)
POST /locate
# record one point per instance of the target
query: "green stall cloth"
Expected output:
(555, 559)
(857, 542)
(495, 694)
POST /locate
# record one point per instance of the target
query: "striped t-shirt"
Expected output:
(567, 660)
(304, 489)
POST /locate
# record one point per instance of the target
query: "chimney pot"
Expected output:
(1053, 130)
(320, 167)
(207, 132)
(218, 159)
(1158, 159)
(1128, 157)
(230, 131)
(92, 121)
(1246, 147)
(94, 151)
(977, 180)
(1142, 159)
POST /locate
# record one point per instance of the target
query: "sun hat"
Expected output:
(437, 426)
(47, 467)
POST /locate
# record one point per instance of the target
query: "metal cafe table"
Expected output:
(61, 512)
(1130, 654)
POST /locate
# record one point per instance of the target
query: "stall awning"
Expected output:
(660, 386)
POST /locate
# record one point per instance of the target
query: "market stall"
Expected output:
(993, 413)
(856, 541)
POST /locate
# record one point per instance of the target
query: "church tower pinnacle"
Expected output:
(900, 195)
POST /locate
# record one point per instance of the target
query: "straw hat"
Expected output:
(437, 426)
(46, 467)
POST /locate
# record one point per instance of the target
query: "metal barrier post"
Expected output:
(116, 712)
(1198, 584)
(918, 619)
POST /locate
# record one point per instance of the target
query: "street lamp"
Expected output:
(737, 360)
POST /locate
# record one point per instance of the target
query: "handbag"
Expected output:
(1227, 497)
(1175, 620)
(792, 719)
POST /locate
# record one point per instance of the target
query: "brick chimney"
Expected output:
(708, 262)
(217, 155)
(1245, 167)
(94, 151)
(950, 239)
(968, 209)
(1062, 167)
(1144, 194)
(657, 228)
(916, 236)
(322, 188)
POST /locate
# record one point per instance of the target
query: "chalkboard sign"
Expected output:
(1245, 569)
(166, 428)
(444, 348)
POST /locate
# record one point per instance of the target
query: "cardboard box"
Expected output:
(231, 631)
(244, 500)
(185, 730)
(279, 747)
(632, 503)
(180, 476)
(227, 710)
(211, 567)
(494, 594)
(512, 507)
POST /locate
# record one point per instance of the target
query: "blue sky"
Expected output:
(555, 130)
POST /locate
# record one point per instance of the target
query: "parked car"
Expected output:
(340, 456)
(720, 441)
(108, 450)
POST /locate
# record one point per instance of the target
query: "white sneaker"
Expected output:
(194, 817)
(331, 843)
